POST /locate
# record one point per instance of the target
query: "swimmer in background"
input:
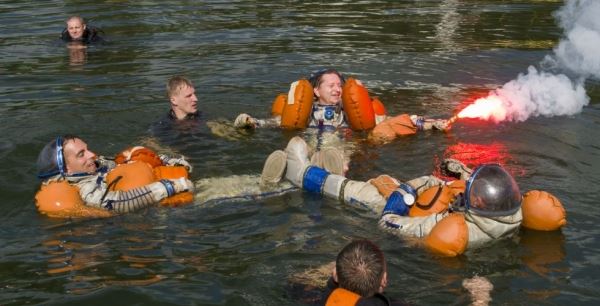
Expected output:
(77, 31)
(184, 115)
(78, 35)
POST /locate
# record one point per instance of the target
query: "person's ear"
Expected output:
(316, 92)
(334, 274)
(383, 282)
(172, 99)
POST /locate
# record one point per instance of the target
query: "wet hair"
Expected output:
(360, 267)
(76, 17)
(316, 78)
(176, 83)
(51, 160)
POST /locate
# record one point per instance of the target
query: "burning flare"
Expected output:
(487, 108)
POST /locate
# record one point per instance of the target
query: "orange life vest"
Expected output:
(436, 199)
(140, 167)
(342, 297)
(62, 200)
(296, 111)
(296, 106)
(358, 106)
(542, 211)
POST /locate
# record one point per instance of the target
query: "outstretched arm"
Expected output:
(245, 121)
(98, 195)
(427, 124)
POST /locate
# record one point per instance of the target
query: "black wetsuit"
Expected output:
(190, 124)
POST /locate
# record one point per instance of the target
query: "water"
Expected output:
(422, 57)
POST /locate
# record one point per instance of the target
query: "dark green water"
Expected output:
(418, 56)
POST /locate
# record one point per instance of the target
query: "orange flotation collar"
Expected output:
(296, 111)
(59, 199)
(358, 106)
(342, 297)
(542, 211)
(295, 107)
(449, 237)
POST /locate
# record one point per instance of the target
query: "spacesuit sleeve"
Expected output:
(418, 227)
(97, 195)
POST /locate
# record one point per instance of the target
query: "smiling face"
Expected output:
(329, 89)
(184, 101)
(75, 27)
(78, 158)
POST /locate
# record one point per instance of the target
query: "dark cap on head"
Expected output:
(51, 160)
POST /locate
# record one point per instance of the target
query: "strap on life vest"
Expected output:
(432, 201)
(342, 297)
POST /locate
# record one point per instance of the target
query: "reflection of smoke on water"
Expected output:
(237, 188)
(541, 92)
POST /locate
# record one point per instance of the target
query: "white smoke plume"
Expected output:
(579, 51)
(545, 93)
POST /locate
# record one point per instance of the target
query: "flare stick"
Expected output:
(452, 120)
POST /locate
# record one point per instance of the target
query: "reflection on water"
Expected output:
(77, 53)
(473, 155)
(542, 251)
(418, 57)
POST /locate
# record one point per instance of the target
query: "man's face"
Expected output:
(184, 101)
(78, 158)
(75, 28)
(329, 91)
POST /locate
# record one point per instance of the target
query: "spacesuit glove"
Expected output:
(176, 161)
(418, 121)
(423, 124)
(440, 124)
(182, 184)
(102, 161)
(245, 121)
(455, 168)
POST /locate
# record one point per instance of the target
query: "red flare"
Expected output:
(490, 107)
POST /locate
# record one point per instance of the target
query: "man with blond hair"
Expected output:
(182, 96)
(77, 31)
